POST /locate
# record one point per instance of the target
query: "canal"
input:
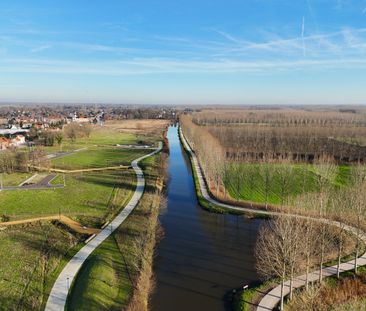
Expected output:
(202, 256)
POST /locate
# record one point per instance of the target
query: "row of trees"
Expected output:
(290, 245)
(280, 116)
(20, 160)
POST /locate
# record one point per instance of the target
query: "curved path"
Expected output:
(58, 296)
(272, 299)
(72, 224)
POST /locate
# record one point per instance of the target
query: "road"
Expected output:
(58, 296)
(43, 184)
(273, 297)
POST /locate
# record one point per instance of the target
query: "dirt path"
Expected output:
(58, 170)
(63, 219)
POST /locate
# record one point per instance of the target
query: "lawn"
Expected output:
(14, 179)
(88, 196)
(95, 157)
(248, 181)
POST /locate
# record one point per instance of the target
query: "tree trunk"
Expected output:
(307, 272)
(282, 287)
(339, 260)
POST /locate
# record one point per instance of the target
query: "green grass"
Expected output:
(102, 283)
(29, 257)
(98, 157)
(14, 179)
(299, 179)
(85, 194)
(244, 299)
(99, 136)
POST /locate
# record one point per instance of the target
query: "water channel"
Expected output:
(202, 256)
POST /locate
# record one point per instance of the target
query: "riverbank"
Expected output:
(216, 205)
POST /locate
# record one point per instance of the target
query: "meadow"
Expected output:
(272, 183)
(95, 157)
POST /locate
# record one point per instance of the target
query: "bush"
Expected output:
(4, 218)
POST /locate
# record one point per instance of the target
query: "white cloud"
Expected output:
(41, 48)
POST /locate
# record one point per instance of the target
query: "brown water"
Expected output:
(203, 256)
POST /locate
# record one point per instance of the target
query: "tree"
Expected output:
(59, 138)
(71, 131)
(278, 248)
(358, 204)
(325, 171)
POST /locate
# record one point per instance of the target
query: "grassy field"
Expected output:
(248, 182)
(86, 196)
(14, 179)
(103, 136)
(30, 257)
(98, 157)
(33, 255)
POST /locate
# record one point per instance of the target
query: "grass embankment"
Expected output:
(201, 200)
(31, 257)
(118, 274)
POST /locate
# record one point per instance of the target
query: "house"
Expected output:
(4, 143)
(3, 122)
(18, 140)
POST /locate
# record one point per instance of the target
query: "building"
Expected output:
(4, 143)
(18, 140)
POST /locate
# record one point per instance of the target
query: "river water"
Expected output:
(203, 256)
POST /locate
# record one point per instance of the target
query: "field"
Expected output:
(39, 250)
(94, 157)
(270, 183)
(30, 258)
(14, 179)
(87, 196)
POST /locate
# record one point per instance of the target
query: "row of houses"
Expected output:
(17, 141)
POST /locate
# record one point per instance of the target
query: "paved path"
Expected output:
(57, 299)
(272, 298)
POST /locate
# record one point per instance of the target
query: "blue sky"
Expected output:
(183, 52)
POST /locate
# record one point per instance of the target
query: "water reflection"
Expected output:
(203, 255)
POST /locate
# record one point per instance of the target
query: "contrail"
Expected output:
(302, 36)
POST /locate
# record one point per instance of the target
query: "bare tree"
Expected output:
(277, 249)
(358, 204)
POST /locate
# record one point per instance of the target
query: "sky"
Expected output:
(183, 52)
